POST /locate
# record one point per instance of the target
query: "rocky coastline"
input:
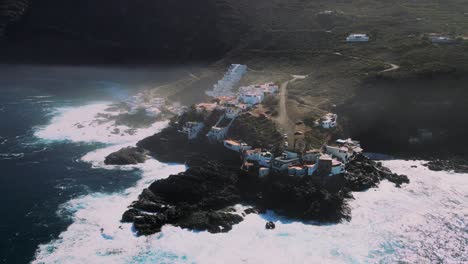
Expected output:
(127, 156)
(204, 196)
(456, 164)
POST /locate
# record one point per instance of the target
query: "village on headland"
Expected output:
(236, 154)
(289, 156)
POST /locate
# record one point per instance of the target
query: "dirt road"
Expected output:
(286, 125)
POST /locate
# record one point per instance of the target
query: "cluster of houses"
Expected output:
(231, 104)
(330, 160)
(224, 86)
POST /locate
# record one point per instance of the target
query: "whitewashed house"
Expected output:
(262, 157)
(192, 129)
(337, 168)
(219, 131)
(435, 38)
(286, 160)
(344, 150)
(232, 112)
(231, 77)
(340, 152)
(357, 38)
(236, 145)
(328, 121)
(251, 98)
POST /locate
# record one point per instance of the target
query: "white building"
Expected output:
(262, 157)
(219, 131)
(236, 145)
(255, 94)
(251, 98)
(345, 149)
(337, 168)
(232, 112)
(192, 129)
(231, 78)
(357, 38)
(286, 160)
(340, 152)
(440, 39)
(328, 121)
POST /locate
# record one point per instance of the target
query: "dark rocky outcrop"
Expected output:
(126, 156)
(270, 225)
(196, 199)
(458, 165)
(364, 173)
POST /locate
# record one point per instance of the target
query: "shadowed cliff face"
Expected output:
(121, 30)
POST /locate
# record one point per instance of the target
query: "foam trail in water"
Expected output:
(422, 222)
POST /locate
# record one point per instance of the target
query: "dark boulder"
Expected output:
(397, 179)
(126, 156)
(270, 225)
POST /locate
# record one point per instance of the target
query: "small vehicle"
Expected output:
(286, 144)
(285, 135)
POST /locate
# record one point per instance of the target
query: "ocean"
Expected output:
(57, 194)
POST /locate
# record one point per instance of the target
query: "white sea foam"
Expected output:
(422, 222)
(80, 124)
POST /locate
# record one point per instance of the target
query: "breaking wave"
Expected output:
(424, 221)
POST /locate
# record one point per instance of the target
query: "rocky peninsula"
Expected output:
(203, 197)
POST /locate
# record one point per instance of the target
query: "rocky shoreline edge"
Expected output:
(203, 197)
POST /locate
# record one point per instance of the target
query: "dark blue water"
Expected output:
(36, 177)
